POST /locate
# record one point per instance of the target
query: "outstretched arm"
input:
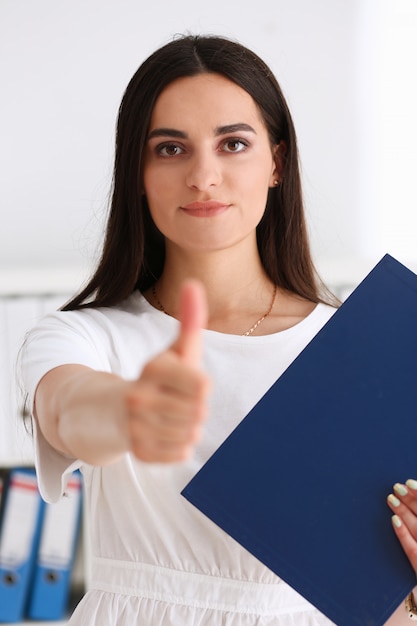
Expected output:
(98, 416)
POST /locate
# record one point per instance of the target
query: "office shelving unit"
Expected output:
(26, 294)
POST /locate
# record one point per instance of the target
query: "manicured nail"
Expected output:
(396, 521)
(393, 500)
(400, 489)
(412, 484)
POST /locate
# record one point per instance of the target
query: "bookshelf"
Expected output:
(26, 294)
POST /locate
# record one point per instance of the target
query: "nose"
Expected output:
(204, 171)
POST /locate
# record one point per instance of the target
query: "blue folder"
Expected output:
(302, 481)
(21, 519)
(50, 585)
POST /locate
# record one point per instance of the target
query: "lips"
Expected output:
(208, 208)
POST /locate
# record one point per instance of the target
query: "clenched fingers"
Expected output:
(166, 409)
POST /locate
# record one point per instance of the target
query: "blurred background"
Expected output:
(346, 68)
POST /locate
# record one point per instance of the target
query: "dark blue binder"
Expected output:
(302, 481)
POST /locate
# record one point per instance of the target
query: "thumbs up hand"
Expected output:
(193, 317)
(167, 405)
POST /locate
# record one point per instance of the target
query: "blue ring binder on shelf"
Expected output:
(49, 593)
(20, 523)
(37, 547)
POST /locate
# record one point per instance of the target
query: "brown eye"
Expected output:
(235, 145)
(169, 150)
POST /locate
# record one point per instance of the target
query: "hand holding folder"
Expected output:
(302, 481)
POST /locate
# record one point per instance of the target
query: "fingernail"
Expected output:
(393, 500)
(412, 484)
(396, 521)
(400, 489)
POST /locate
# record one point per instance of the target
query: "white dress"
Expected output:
(156, 560)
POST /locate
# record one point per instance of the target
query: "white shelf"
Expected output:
(41, 280)
(341, 271)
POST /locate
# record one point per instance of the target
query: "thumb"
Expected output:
(193, 318)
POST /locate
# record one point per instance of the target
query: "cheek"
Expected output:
(159, 198)
(257, 189)
(159, 182)
(257, 180)
(148, 182)
(258, 173)
(154, 189)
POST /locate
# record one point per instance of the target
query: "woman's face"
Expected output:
(208, 164)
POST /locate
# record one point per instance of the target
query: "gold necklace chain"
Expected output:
(246, 334)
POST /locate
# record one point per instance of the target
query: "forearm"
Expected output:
(82, 413)
(98, 416)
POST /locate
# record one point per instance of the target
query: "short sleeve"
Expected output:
(60, 338)
(53, 468)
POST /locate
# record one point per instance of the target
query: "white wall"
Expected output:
(396, 139)
(65, 63)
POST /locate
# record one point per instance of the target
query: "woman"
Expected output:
(204, 294)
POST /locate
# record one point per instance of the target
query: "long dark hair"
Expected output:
(133, 253)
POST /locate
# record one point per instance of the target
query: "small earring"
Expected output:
(276, 182)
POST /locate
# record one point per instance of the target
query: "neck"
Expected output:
(238, 291)
(223, 273)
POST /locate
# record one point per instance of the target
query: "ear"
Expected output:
(279, 151)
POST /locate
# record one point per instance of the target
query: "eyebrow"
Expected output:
(219, 130)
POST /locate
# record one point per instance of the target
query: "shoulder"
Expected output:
(293, 311)
(118, 339)
(95, 318)
(323, 312)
